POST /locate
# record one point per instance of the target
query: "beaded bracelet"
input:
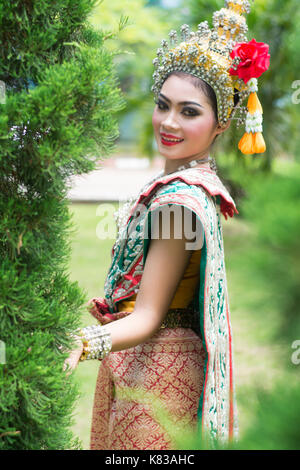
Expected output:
(96, 341)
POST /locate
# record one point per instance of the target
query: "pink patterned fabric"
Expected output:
(170, 365)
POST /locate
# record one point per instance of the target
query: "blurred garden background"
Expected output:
(76, 127)
(261, 243)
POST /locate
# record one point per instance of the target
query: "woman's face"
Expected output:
(183, 120)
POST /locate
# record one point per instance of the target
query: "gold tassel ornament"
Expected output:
(252, 141)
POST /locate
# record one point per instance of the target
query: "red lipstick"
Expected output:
(170, 140)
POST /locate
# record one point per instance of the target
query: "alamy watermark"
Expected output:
(295, 358)
(2, 352)
(2, 92)
(296, 94)
(164, 222)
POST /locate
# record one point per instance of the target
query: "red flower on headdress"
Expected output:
(255, 59)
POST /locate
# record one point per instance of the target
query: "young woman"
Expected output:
(164, 324)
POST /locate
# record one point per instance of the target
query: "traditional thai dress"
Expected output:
(188, 364)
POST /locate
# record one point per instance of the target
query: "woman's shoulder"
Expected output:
(191, 188)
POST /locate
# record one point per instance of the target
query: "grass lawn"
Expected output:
(257, 361)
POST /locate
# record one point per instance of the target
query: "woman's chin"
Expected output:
(170, 152)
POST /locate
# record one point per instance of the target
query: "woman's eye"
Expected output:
(190, 112)
(162, 106)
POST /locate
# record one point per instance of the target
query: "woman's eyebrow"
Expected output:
(182, 102)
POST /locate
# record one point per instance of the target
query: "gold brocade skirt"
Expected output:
(169, 367)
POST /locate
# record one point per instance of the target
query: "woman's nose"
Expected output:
(170, 121)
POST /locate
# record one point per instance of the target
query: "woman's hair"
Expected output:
(206, 89)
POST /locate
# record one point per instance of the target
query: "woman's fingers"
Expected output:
(73, 359)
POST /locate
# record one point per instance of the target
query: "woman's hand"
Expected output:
(73, 359)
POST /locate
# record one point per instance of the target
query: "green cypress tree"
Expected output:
(57, 118)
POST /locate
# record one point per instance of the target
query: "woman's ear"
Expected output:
(221, 129)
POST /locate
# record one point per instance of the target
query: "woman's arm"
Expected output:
(165, 265)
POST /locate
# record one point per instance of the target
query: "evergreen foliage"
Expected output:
(57, 120)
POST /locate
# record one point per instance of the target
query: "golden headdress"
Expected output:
(223, 58)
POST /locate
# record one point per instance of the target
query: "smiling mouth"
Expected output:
(167, 139)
